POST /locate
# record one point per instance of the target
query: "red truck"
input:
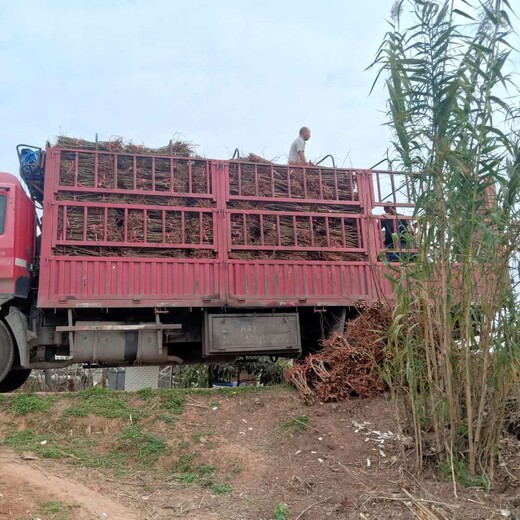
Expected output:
(126, 258)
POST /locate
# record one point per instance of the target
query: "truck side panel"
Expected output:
(199, 233)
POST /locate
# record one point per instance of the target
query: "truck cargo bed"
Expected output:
(125, 230)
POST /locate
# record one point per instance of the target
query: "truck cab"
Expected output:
(17, 239)
(17, 260)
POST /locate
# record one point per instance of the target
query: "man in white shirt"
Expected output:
(297, 151)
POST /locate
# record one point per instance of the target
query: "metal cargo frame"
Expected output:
(82, 281)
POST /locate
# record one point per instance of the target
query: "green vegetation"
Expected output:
(187, 471)
(166, 418)
(453, 109)
(199, 437)
(146, 448)
(296, 424)
(462, 475)
(24, 404)
(119, 431)
(56, 509)
(23, 438)
(49, 446)
(105, 403)
(220, 489)
(172, 401)
(281, 511)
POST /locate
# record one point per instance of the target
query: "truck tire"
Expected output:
(7, 351)
(14, 380)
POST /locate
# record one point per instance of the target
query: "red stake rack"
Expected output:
(125, 230)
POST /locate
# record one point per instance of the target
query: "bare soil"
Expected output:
(326, 461)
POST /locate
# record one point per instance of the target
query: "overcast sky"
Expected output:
(222, 73)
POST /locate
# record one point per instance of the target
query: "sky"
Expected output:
(221, 74)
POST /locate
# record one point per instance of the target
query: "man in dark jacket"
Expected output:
(397, 232)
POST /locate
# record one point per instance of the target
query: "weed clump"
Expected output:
(145, 447)
(296, 424)
(25, 404)
(105, 403)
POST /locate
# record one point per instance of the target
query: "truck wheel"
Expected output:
(14, 380)
(7, 351)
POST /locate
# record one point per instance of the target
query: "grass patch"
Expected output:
(23, 439)
(78, 449)
(229, 391)
(281, 511)
(187, 472)
(146, 447)
(206, 470)
(166, 419)
(463, 476)
(25, 404)
(105, 403)
(296, 424)
(56, 509)
(172, 401)
(146, 394)
(220, 489)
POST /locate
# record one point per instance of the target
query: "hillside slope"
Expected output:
(233, 454)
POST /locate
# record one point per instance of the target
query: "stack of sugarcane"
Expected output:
(134, 165)
(140, 170)
(175, 170)
(256, 177)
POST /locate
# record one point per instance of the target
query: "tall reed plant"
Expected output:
(453, 111)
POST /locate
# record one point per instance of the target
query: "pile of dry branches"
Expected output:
(349, 364)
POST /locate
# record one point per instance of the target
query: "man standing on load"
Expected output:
(297, 151)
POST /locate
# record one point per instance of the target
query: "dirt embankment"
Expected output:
(251, 455)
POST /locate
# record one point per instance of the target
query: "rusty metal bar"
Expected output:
(327, 231)
(76, 168)
(96, 170)
(65, 217)
(163, 222)
(125, 225)
(190, 176)
(115, 171)
(153, 173)
(135, 172)
(172, 178)
(96, 326)
(145, 226)
(85, 223)
(105, 225)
